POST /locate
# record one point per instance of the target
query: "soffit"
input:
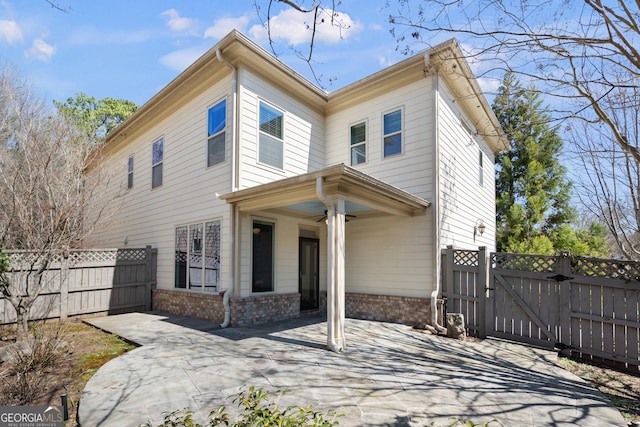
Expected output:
(296, 196)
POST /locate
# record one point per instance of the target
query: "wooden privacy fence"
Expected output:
(88, 282)
(585, 307)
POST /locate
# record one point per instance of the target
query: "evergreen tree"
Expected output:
(531, 190)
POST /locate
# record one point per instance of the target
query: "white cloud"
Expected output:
(10, 32)
(178, 23)
(221, 27)
(295, 28)
(41, 50)
(181, 59)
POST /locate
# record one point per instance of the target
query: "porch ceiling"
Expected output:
(296, 196)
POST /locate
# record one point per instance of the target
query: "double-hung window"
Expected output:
(197, 256)
(130, 172)
(271, 140)
(157, 160)
(358, 143)
(217, 121)
(392, 133)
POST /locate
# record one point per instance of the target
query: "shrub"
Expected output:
(256, 411)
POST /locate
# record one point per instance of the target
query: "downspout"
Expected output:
(436, 197)
(331, 241)
(235, 212)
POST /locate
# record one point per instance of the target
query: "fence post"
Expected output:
(148, 276)
(563, 331)
(483, 293)
(64, 286)
(448, 272)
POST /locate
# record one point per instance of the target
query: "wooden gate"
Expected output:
(585, 307)
(529, 299)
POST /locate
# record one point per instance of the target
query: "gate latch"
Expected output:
(560, 278)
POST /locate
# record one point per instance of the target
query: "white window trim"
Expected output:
(226, 136)
(402, 132)
(284, 132)
(275, 254)
(202, 288)
(159, 163)
(131, 173)
(365, 142)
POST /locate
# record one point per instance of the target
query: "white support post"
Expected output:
(339, 254)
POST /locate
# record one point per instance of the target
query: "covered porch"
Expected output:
(330, 197)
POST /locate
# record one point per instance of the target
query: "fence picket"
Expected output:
(588, 306)
(90, 281)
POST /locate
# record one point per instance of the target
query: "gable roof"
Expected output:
(237, 49)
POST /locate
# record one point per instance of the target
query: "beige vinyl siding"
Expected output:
(390, 256)
(411, 170)
(188, 194)
(463, 200)
(303, 133)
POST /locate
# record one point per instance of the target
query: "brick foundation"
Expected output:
(386, 308)
(263, 309)
(270, 308)
(191, 304)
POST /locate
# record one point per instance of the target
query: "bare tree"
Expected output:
(47, 205)
(318, 13)
(576, 51)
(609, 188)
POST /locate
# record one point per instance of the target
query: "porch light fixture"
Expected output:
(478, 229)
(256, 230)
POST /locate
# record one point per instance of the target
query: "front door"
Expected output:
(309, 286)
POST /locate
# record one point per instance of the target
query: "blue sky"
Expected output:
(131, 49)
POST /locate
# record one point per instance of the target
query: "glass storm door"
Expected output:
(309, 279)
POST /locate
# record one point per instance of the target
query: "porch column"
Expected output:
(340, 275)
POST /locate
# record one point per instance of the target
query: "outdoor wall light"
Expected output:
(256, 230)
(478, 229)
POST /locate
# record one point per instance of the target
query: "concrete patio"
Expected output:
(389, 375)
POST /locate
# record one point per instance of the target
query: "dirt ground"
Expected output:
(85, 350)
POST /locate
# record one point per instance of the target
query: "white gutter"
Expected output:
(234, 186)
(331, 279)
(435, 197)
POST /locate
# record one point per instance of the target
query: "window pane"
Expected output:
(271, 151)
(195, 256)
(156, 176)
(181, 258)
(393, 122)
(262, 257)
(358, 154)
(270, 120)
(130, 172)
(358, 133)
(212, 256)
(158, 151)
(215, 149)
(393, 144)
(217, 118)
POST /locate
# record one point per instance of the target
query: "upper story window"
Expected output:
(130, 172)
(358, 143)
(393, 133)
(271, 140)
(217, 119)
(157, 159)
